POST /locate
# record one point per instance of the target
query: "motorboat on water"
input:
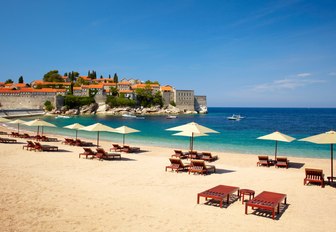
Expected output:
(171, 117)
(132, 116)
(62, 116)
(235, 117)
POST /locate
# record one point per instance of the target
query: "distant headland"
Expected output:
(72, 93)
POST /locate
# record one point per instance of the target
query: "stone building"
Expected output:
(184, 99)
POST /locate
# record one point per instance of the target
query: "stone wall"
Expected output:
(25, 102)
(184, 99)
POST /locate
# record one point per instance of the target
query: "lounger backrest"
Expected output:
(314, 173)
(198, 163)
(101, 150)
(264, 158)
(175, 161)
(179, 152)
(207, 154)
(281, 159)
(116, 146)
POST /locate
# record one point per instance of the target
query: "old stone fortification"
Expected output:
(28, 102)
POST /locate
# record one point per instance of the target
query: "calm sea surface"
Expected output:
(235, 136)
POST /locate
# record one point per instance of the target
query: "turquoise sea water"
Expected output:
(235, 136)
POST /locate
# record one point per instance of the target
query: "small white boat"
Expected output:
(171, 117)
(235, 117)
(132, 116)
(62, 116)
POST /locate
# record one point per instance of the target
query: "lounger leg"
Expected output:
(246, 208)
(198, 199)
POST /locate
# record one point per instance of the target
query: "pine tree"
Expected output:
(115, 78)
(21, 79)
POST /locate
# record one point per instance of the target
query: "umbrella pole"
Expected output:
(38, 130)
(276, 149)
(123, 139)
(332, 162)
(192, 141)
(76, 134)
(18, 128)
(98, 139)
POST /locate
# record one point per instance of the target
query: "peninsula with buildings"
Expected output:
(72, 94)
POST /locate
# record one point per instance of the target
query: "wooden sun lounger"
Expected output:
(102, 154)
(129, 149)
(81, 143)
(179, 154)
(268, 201)
(69, 141)
(88, 153)
(193, 155)
(264, 161)
(314, 176)
(177, 165)
(40, 147)
(220, 193)
(282, 162)
(6, 140)
(30, 145)
(198, 166)
(207, 156)
(116, 147)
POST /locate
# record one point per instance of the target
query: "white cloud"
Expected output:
(303, 74)
(287, 83)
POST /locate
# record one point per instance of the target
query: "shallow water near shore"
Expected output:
(235, 136)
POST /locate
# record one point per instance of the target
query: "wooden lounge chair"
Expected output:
(198, 166)
(15, 134)
(268, 201)
(40, 147)
(129, 149)
(219, 193)
(193, 155)
(88, 153)
(314, 176)
(177, 165)
(116, 147)
(207, 156)
(102, 154)
(68, 141)
(281, 162)
(48, 139)
(81, 143)
(179, 154)
(7, 140)
(263, 161)
(30, 145)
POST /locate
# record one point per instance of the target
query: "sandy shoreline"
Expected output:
(57, 191)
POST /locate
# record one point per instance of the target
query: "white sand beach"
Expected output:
(57, 191)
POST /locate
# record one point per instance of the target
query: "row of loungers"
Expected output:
(36, 146)
(42, 138)
(124, 148)
(77, 142)
(206, 156)
(101, 154)
(195, 166)
(278, 162)
(269, 201)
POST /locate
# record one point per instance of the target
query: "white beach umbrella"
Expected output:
(97, 127)
(325, 138)
(4, 119)
(277, 136)
(191, 135)
(18, 122)
(192, 130)
(125, 130)
(74, 126)
(39, 123)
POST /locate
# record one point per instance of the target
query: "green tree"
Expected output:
(20, 79)
(48, 105)
(9, 81)
(92, 75)
(115, 78)
(114, 91)
(109, 76)
(72, 102)
(53, 76)
(157, 99)
(144, 96)
(151, 82)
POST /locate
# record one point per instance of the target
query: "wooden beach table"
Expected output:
(268, 201)
(219, 192)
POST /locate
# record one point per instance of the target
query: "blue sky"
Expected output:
(237, 52)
